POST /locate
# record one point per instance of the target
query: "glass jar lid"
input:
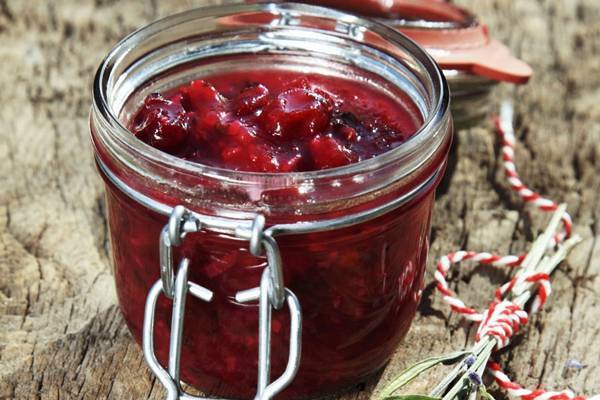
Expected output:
(451, 34)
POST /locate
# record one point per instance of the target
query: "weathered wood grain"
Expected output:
(61, 335)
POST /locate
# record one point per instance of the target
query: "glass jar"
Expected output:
(348, 245)
(473, 62)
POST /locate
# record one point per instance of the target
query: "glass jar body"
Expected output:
(359, 288)
(358, 284)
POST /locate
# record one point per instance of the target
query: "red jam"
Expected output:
(274, 121)
(358, 287)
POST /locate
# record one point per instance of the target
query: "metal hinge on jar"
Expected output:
(271, 294)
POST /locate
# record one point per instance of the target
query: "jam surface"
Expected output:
(274, 121)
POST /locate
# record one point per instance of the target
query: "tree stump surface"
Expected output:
(61, 334)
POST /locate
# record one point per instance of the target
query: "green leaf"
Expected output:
(485, 394)
(417, 369)
(412, 397)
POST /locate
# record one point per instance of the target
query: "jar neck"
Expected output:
(175, 50)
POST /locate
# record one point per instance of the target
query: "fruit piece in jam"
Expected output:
(274, 121)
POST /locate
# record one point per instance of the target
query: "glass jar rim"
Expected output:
(467, 20)
(437, 116)
(416, 14)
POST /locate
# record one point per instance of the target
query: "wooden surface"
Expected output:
(61, 335)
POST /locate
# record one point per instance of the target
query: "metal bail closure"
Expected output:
(266, 390)
(170, 378)
(271, 294)
(180, 223)
(263, 241)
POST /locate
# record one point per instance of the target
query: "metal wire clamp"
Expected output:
(266, 390)
(271, 294)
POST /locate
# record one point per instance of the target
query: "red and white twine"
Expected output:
(503, 318)
(516, 390)
(504, 128)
